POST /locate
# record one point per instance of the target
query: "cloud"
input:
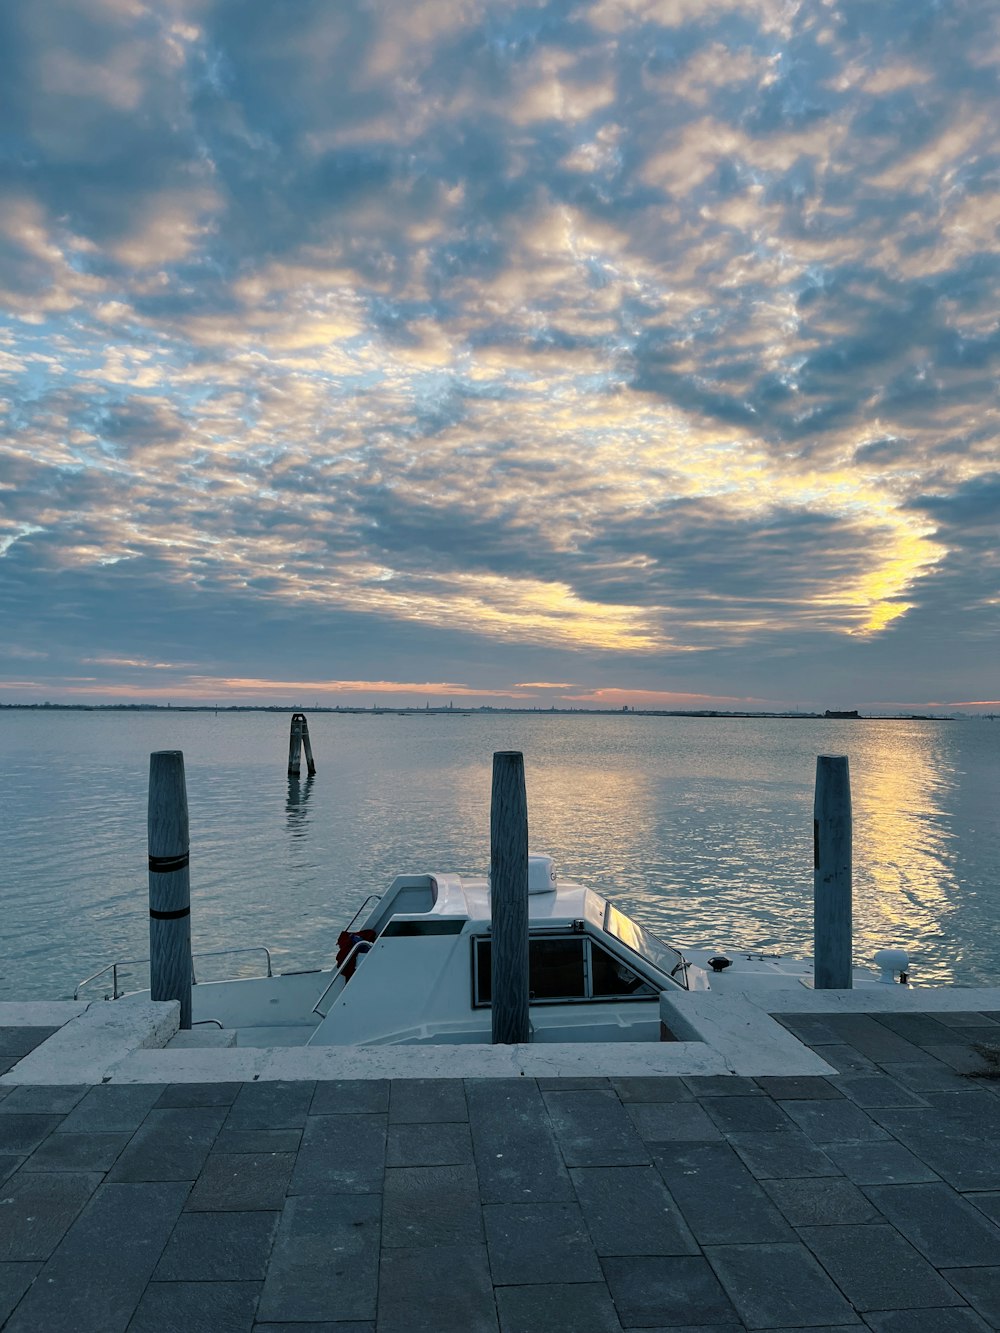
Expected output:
(638, 333)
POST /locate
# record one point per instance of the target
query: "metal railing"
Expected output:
(357, 952)
(113, 968)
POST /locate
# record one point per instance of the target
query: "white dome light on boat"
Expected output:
(891, 961)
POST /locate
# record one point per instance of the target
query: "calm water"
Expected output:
(701, 827)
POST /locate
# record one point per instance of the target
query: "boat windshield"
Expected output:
(647, 945)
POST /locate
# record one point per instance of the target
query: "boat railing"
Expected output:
(372, 898)
(357, 951)
(123, 963)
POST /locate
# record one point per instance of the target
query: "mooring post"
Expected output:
(310, 766)
(509, 898)
(170, 971)
(832, 924)
(295, 745)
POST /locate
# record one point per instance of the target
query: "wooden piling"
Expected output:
(509, 898)
(832, 855)
(299, 737)
(170, 971)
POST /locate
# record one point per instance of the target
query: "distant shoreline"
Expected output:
(379, 711)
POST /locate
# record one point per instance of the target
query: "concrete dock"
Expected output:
(868, 1198)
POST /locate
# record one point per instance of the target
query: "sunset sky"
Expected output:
(592, 353)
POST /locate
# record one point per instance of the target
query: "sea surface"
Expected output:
(700, 827)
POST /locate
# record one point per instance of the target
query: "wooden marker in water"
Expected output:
(170, 969)
(832, 923)
(299, 737)
(509, 898)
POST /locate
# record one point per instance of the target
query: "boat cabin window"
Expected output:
(643, 942)
(564, 968)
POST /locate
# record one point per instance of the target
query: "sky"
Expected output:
(585, 354)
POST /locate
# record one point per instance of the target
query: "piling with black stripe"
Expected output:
(169, 883)
(832, 856)
(509, 898)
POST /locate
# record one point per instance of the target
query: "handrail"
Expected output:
(372, 897)
(116, 994)
(356, 951)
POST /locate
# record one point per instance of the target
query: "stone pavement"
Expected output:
(869, 1200)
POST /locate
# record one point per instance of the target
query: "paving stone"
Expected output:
(431, 1206)
(927, 1077)
(674, 1122)
(271, 1106)
(242, 1182)
(196, 1307)
(199, 1094)
(968, 1018)
(628, 1210)
(351, 1096)
(867, 1090)
(446, 1290)
(77, 1152)
(97, 1275)
(718, 1197)
(22, 1132)
(50, 1099)
(785, 1155)
(775, 1285)
(975, 1110)
(171, 1144)
(515, 1149)
(939, 1223)
(424, 1101)
(352, 1326)
(734, 1327)
(441, 1144)
(324, 1265)
(747, 1115)
(592, 1128)
(988, 1203)
(954, 1151)
(258, 1140)
(813, 1029)
(37, 1210)
(558, 1307)
(340, 1154)
(534, 1242)
(16, 1043)
(835, 1122)
(964, 1059)
(798, 1089)
(722, 1085)
(957, 1319)
(572, 1083)
(822, 1202)
(648, 1290)
(981, 1288)
(873, 1039)
(112, 1108)
(218, 1247)
(847, 1060)
(877, 1269)
(652, 1088)
(9, 1163)
(879, 1163)
(15, 1279)
(920, 1029)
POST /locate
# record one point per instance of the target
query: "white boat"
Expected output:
(413, 967)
